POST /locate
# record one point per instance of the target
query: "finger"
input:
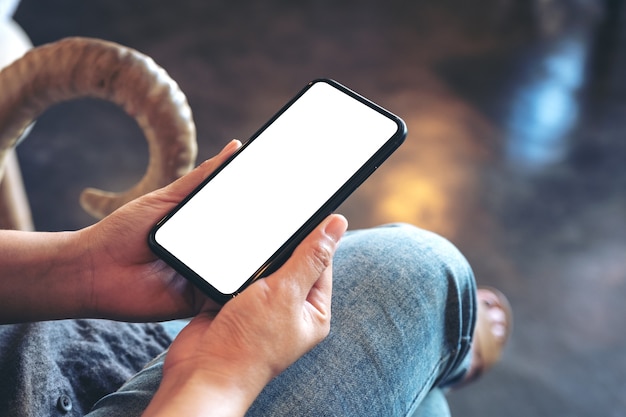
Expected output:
(186, 184)
(305, 268)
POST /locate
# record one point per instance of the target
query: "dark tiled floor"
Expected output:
(516, 149)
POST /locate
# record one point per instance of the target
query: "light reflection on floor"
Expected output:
(430, 178)
(544, 108)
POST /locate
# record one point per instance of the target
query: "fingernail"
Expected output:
(231, 146)
(335, 227)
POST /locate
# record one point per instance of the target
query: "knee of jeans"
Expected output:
(442, 273)
(428, 262)
(438, 263)
(429, 253)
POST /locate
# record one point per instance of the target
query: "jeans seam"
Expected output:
(431, 383)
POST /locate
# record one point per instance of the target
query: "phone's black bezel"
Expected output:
(283, 253)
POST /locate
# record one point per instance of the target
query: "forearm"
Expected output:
(41, 277)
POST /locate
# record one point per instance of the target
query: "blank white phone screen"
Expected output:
(241, 217)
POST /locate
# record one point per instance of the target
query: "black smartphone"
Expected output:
(245, 220)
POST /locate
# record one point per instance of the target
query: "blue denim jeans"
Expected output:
(403, 319)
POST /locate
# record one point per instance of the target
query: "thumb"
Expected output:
(186, 184)
(307, 273)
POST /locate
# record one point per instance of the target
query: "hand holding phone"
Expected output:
(244, 221)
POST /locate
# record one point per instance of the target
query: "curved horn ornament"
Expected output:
(82, 67)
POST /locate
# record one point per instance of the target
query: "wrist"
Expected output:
(205, 391)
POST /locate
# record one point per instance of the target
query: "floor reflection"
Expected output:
(532, 92)
(430, 181)
(544, 109)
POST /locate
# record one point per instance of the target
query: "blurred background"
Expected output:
(516, 152)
